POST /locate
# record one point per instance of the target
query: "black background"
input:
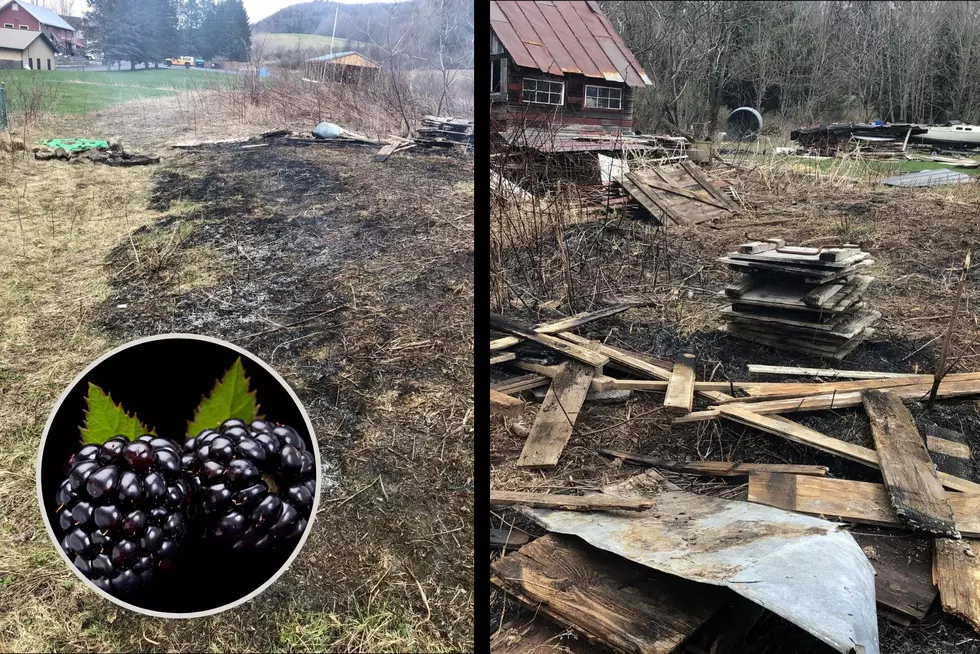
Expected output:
(162, 382)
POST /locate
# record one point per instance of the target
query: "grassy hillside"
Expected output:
(274, 42)
(76, 92)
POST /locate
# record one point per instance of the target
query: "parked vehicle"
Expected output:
(186, 61)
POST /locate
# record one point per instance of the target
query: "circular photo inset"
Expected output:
(177, 475)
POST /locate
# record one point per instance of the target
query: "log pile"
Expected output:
(799, 299)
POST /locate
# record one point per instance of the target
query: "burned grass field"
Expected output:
(554, 260)
(353, 279)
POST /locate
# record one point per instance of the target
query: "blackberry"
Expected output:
(121, 510)
(253, 484)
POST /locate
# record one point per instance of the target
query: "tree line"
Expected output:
(813, 61)
(149, 31)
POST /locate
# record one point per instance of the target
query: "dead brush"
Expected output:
(154, 254)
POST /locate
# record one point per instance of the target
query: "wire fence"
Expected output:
(3, 107)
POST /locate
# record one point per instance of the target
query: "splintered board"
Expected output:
(844, 327)
(553, 425)
(916, 492)
(859, 502)
(956, 571)
(679, 397)
(584, 355)
(609, 599)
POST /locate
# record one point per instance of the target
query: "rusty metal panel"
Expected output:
(543, 59)
(805, 569)
(622, 71)
(548, 38)
(625, 50)
(571, 44)
(584, 36)
(509, 39)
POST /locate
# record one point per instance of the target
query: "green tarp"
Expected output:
(76, 145)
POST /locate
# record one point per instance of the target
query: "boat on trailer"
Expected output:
(953, 133)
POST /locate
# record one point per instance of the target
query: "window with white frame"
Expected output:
(541, 91)
(603, 97)
(498, 77)
(10, 25)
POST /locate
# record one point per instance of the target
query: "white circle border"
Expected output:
(316, 456)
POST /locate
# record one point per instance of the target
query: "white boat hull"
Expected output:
(952, 134)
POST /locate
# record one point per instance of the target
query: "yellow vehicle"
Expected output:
(186, 61)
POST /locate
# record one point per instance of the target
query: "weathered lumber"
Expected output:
(500, 400)
(903, 574)
(622, 604)
(859, 502)
(579, 353)
(765, 392)
(754, 247)
(908, 392)
(712, 190)
(562, 325)
(597, 502)
(501, 358)
(594, 396)
(949, 450)
(522, 383)
(910, 477)
(827, 372)
(956, 572)
(679, 398)
(637, 365)
(600, 383)
(715, 468)
(503, 539)
(386, 151)
(556, 418)
(780, 426)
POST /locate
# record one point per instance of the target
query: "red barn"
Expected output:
(558, 66)
(20, 15)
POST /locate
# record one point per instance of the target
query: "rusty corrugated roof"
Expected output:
(564, 36)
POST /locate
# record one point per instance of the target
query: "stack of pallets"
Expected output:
(800, 299)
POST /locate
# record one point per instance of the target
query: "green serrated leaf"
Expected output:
(105, 419)
(230, 398)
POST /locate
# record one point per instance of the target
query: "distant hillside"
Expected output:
(354, 21)
(311, 44)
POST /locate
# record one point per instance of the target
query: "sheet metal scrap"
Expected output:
(935, 177)
(802, 568)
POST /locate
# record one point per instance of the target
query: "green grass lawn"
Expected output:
(75, 92)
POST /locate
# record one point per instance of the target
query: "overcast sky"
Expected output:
(257, 9)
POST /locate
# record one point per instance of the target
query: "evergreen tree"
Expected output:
(237, 34)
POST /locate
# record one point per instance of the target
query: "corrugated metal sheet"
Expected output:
(934, 177)
(564, 36)
(348, 59)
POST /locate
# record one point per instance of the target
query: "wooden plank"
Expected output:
(562, 325)
(600, 383)
(754, 247)
(826, 401)
(596, 502)
(859, 502)
(808, 275)
(522, 383)
(745, 284)
(502, 539)
(501, 358)
(763, 369)
(539, 636)
(821, 294)
(910, 477)
(845, 328)
(779, 426)
(679, 397)
(836, 254)
(807, 346)
(765, 392)
(500, 402)
(780, 257)
(693, 171)
(635, 364)
(584, 355)
(716, 468)
(386, 151)
(594, 396)
(956, 571)
(949, 450)
(556, 418)
(903, 574)
(629, 607)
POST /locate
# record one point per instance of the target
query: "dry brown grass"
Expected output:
(59, 224)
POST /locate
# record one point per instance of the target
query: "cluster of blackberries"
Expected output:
(124, 507)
